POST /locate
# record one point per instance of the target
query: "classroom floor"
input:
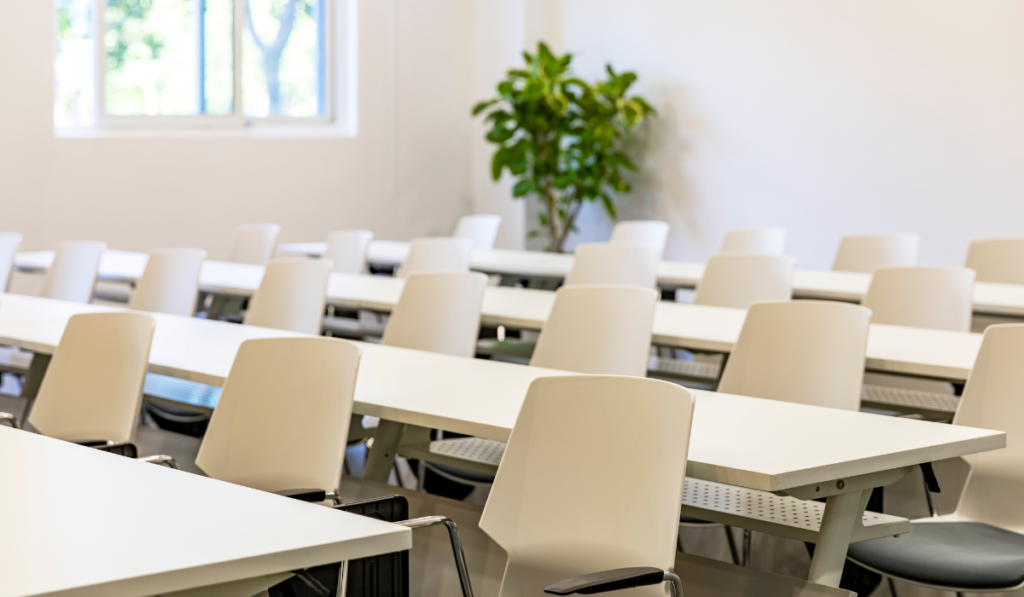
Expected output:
(432, 569)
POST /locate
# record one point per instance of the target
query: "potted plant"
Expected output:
(561, 138)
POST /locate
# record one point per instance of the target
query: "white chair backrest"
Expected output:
(93, 386)
(737, 280)
(766, 241)
(553, 507)
(992, 399)
(291, 296)
(934, 297)
(635, 264)
(863, 253)
(72, 276)
(482, 229)
(440, 254)
(809, 352)
(601, 329)
(254, 243)
(282, 420)
(170, 283)
(438, 312)
(998, 260)
(650, 232)
(347, 250)
(9, 243)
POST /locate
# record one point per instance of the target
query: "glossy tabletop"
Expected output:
(751, 442)
(79, 522)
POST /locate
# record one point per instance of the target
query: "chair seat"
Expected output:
(965, 555)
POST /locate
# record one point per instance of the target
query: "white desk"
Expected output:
(1005, 300)
(772, 446)
(80, 522)
(899, 350)
(387, 253)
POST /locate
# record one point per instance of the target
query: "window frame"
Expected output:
(337, 95)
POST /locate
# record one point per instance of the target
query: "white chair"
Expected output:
(438, 312)
(347, 250)
(650, 232)
(737, 280)
(92, 390)
(922, 296)
(437, 255)
(980, 546)
(9, 243)
(482, 229)
(254, 243)
(591, 329)
(604, 329)
(282, 420)
(72, 276)
(863, 253)
(766, 241)
(551, 509)
(998, 260)
(808, 352)
(291, 296)
(170, 283)
(634, 264)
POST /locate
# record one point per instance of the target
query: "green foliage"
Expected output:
(125, 26)
(560, 137)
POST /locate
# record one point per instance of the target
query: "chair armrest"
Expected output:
(615, 580)
(9, 419)
(161, 459)
(309, 495)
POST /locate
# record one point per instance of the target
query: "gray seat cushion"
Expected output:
(969, 555)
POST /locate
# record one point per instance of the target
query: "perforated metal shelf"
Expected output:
(14, 359)
(779, 515)
(473, 449)
(684, 369)
(910, 399)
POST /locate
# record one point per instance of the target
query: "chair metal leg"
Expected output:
(746, 547)
(732, 545)
(933, 510)
(453, 534)
(892, 586)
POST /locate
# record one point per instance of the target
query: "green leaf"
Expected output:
(609, 206)
(498, 162)
(522, 188)
(480, 107)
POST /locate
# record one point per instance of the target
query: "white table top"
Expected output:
(77, 521)
(744, 441)
(901, 350)
(380, 252)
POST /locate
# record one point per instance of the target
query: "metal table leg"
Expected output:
(382, 454)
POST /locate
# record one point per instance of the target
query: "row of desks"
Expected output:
(764, 445)
(1006, 300)
(899, 350)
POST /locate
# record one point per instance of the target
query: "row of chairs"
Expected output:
(770, 361)
(280, 426)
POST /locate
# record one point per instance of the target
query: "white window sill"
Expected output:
(258, 132)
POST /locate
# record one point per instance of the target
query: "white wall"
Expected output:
(407, 173)
(824, 117)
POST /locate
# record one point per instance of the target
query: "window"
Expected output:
(197, 63)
